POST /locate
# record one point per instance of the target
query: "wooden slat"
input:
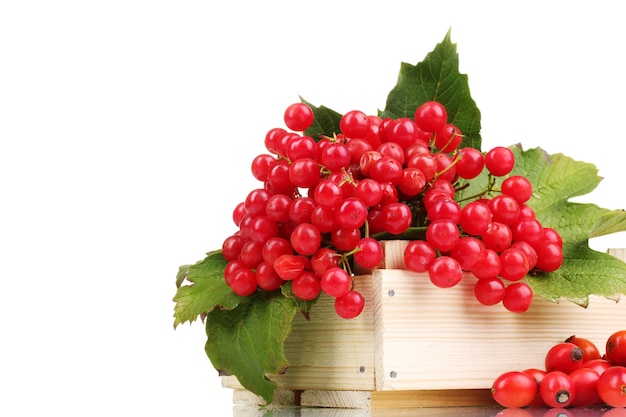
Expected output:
(432, 398)
(336, 399)
(433, 338)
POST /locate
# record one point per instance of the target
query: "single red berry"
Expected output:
(518, 297)
(500, 161)
(585, 381)
(354, 124)
(299, 117)
(336, 282)
(612, 386)
(514, 389)
(349, 305)
(557, 389)
(616, 348)
(565, 357)
(430, 116)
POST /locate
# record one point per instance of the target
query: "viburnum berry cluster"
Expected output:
(575, 374)
(325, 202)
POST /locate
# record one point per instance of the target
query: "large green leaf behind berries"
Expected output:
(556, 179)
(248, 341)
(207, 289)
(437, 77)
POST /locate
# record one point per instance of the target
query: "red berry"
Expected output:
(431, 116)
(298, 117)
(349, 305)
(354, 124)
(514, 389)
(336, 282)
(616, 348)
(565, 357)
(500, 161)
(557, 389)
(612, 386)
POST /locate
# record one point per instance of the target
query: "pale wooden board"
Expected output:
(336, 399)
(433, 338)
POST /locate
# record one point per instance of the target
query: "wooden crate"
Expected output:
(416, 345)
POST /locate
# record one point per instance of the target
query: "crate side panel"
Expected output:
(326, 352)
(435, 338)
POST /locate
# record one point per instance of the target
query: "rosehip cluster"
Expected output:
(327, 201)
(575, 375)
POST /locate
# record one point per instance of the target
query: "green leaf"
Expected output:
(437, 78)
(584, 272)
(326, 122)
(207, 291)
(182, 275)
(611, 222)
(556, 179)
(248, 341)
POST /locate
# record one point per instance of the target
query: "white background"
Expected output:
(126, 133)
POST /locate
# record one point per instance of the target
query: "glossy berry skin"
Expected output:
(489, 291)
(470, 163)
(599, 365)
(243, 282)
(590, 350)
(430, 116)
(489, 267)
(445, 272)
(469, 251)
(324, 259)
(354, 124)
(418, 255)
(396, 217)
(565, 357)
(298, 117)
(517, 297)
(586, 382)
(336, 282)
(499, 161)
(306, 286)
(370, 253)
(267, 278)
(305, 239)
(557, 389)
(518, 187)
(475, 218)
(448, 138)
(514, 264)
(514, 389)
(538, 375)
(616, 348)
(612, 386)
(549, 256)
(497, 236)
(349, 305)
(442, 234)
